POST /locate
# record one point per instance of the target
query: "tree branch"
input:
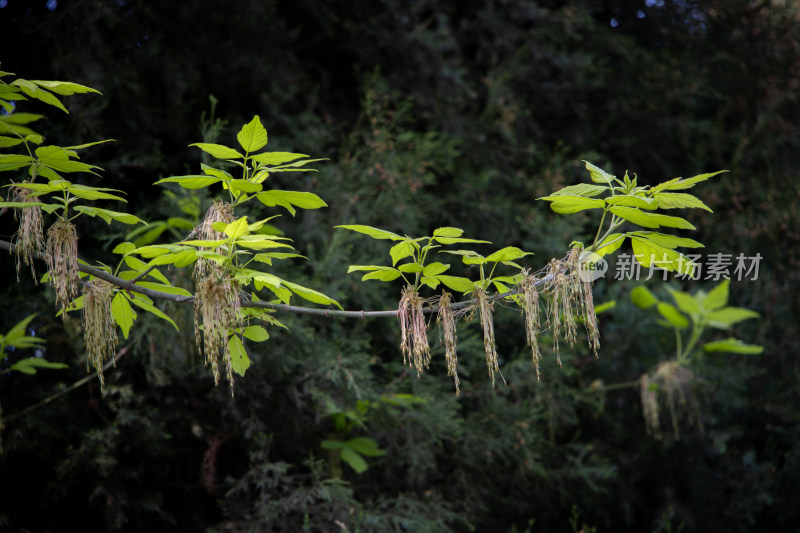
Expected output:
(130, 285)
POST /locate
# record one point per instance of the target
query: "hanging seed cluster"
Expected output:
(554, 297)
(30, 234)
(448, 324)
(61, 256)
(670, 385)
(99, 327)
(216, 305)
(413, 331)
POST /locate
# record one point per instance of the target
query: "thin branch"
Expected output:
(130, 286)
(71, 388)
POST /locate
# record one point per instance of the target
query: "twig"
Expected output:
(71, 388)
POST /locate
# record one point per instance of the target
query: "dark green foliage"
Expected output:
(433, 115)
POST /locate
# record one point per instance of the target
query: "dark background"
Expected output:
(432, 113)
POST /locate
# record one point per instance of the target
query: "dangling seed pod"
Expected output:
(532, 324)
(487, 323)
(216, 302)
(448, 324)
(413, 331)
(590, 318)
(61, 256)
(30, 234)
(99, 327)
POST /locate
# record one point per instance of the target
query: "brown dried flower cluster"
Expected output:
(30, 235)
(672, 385)
(448, 323)
(99, 327)
(216, 303)
(486, 309)
(61, 256)
(413, 331)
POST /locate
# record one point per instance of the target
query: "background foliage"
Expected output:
(433, 114)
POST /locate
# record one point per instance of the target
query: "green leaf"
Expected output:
(649, 253)
(509, 253)
(218, 150)
(14, 161)
(58, 159)
(434, 269)
(190, 182)
(122, 312)
(311, 295)
(237, 228)
(384, 274)
(686, 302)
(147, 306)
(567, 205)
(401, 250)
(718, 296)
(21, 205)
(123, 248)
(456, 240)
(605, 306)
(332, 444)
(163, 287)
(727, 316)
(650, 220)
(288, 199)
(676, 184)
(65, 88)
(256, 333)
(410, 268)
(598, 175)
(667, 241)
(34, 91)
(18, 331)
(642, 297)
(239, 360)
(633, 201)
(582, 189)
(365, 446)
(29, 365)
(732, 345)
(457, 283)
(93, 193)
(672, 315)
(676, 200)
(610, 244)
(448, 232)
(244, 186)
(253, 136)
(276, 158)
(375, 233)
(5, 142)
(352, 458)
(108, 215)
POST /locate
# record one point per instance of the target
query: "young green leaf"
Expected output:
(649, 254)
(717, 297)
(667, 241)
(253, 136)
(642, 297)
(122, 312)
(239, 360)
(587, 190)
(567, 205)
(352, 458)
(29, 365)
(599, 175)
(401, 250)
(310, 294)
(218, 150)
(675, 200)
(256, 333)
(509, 253)
(191, 182)
(365, 446)
(732, 345)
(276, 158)
(610, 244)
(457, 283)
(633, 201)
(375, 233)
(727, 316)
(291, 199)
(673, 316)
(141, 302)
(650, 220)
(448, 232)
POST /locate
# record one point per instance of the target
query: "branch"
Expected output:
(131, 286)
